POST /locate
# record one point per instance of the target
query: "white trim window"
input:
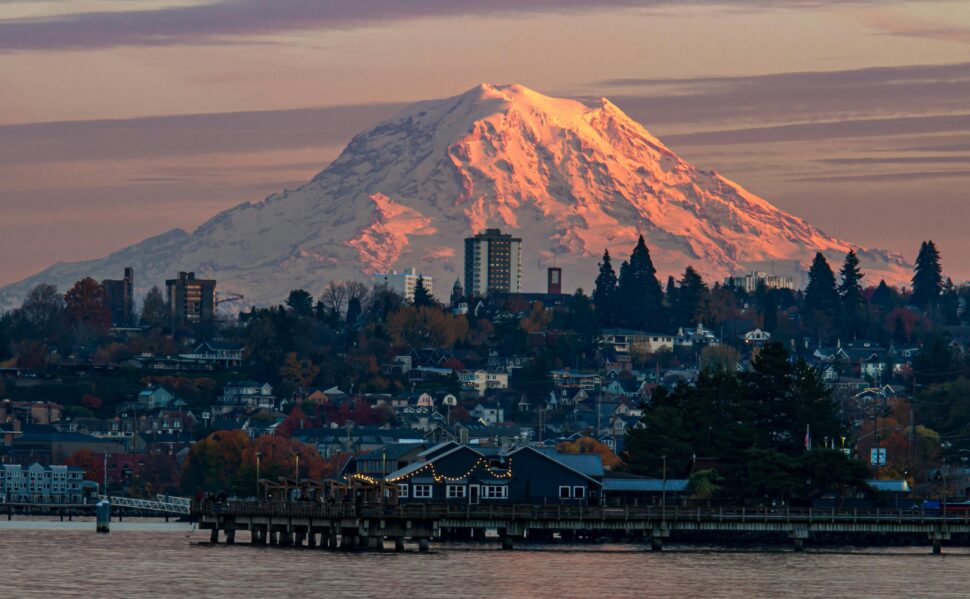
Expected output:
(456, 491)
(403, 491)
(565, 492)
(495, 492)
(579, 492)
(422, 491)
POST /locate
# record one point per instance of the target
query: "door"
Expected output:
(473, 494)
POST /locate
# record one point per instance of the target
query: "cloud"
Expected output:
(793, 97)
(886, 177)
(181, 135)
(224, 20)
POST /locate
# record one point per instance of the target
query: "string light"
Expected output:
(441, 477)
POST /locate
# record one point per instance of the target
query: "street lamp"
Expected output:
(259, 455)
(298, 452)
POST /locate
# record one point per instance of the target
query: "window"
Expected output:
(457, 491)
(422, 491)
(579, 492)
(403, 492)
(565, 492)
(495, 491)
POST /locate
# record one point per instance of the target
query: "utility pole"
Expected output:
(105, 490)
(663, 491)
(259, 454)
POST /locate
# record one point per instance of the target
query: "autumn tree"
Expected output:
(426, 327)
(585, 445)
(86, 307)
(41, 311)
(298, 373)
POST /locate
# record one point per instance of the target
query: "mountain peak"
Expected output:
(570, 177)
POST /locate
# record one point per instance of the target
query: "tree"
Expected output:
(354, 310)
(154, 311)
(690, 297)
(821, 294)
(927, 277)
(300, 302)
(884, 297)
(92, 464)
(86, 306)
(334, 296)
(950, 303)
(41, 311)
(604, 292)
(720, 357)
(422, 297)
(298, 373)
(639, 290)
(590, 445)
(853, 302)
(426, 327)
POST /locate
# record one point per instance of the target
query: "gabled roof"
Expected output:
(555, 460)
(415, 466)
(589, 464)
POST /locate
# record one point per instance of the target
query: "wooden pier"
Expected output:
(350, 526)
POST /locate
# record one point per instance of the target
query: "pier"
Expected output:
(348, 526)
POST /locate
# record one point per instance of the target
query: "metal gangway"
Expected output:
(169, 504)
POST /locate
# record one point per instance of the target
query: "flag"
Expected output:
(808, 439)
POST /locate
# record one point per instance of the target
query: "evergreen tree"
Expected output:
(354, 309)
(927, 277)
(821, 294)
(300, 302)
(670, 292)
(421, 295)
(950, 303)
(604, 293)
(769, 309)
(690, 297)
(853, 302)
(639, 290)
(884, 297)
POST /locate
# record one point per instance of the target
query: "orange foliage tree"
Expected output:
(590, 445)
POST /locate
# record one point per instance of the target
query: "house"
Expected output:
(41, 484)
(756, 337)
(248, 394)
(455, 473)
(488, 412)
(154, 397)
(695, 337)
(223, 355)
(481, 381)
(580, 380)
(626, 340)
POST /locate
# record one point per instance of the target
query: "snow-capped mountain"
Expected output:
(569, 178)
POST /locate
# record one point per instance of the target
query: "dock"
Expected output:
(349, 526)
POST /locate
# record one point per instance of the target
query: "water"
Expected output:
(153, 559)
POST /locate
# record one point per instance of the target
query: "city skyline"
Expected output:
(850, 117)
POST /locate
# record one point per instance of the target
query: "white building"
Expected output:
(482, 380)
(402, 283)
(626, 340)
(750, 282)
(41, 484)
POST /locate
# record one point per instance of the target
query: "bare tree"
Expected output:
(357, 290)
(334, 297)
(42, 308)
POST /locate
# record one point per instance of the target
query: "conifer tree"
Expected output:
(670, 292)
(927, 276)
(950, 303)
(604, 292)
(884, 296)
(850, 291)
(639, 290)
(421, 295)
(690, 297)
(821, 294)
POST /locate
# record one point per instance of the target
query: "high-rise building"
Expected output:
(493, 263)
(403, 283)
(554, 280)
(191, 300)
(119, 298)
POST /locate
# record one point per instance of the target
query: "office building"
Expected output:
(119, 298)
(493, 263)
(191, 300)
(403, 283)
(751, 281)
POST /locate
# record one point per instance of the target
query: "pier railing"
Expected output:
(451, 511)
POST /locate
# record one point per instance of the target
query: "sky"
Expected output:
(121, 119)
